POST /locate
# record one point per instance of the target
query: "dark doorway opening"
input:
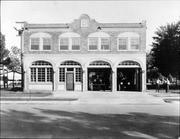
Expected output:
(128, 79)
(99, 79)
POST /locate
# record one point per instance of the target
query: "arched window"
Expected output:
(66, 63)
(129, 64)
(99, 41)
(69, 41)
(41, 71)
(99, 63)
(40, 41)
(128, 41)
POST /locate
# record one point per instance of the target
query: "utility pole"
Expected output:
(20, 33)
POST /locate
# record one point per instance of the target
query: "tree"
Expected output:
(4, 60)
(166, 49)
(152, 72)
(15, 64)
(3, 50)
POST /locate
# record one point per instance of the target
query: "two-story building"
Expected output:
(84, 55)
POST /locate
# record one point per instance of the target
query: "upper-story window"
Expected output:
(99, 41)
(64, 43)
(35, 44)
(46, 44)
(76, 43)
(105, 43)
(69, 42)
(127, 41)
(135, 43)
(93, 43)
(40, 42)
(123, 43)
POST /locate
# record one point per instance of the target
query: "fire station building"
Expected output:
(84, 55)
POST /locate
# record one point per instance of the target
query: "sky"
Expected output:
(156, 13)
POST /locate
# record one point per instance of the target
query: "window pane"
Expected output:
(64, 43)
(46, 44)
(93, 43)
(134, 43)
(46, 47)
(61, 74)
(122, 44)
(75, 44)
(70, 69)
(104, 44)
(33, 74)
(41, 74)
(75, 47)
(41, 63)
(49, 75)
(78, 74)
(35, 44)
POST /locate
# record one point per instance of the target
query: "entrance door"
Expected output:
(70, 81)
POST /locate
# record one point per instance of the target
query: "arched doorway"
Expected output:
(70, 76)
(99, 76)
(129, 76)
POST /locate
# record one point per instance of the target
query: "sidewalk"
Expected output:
(173, 95)
(123, 97)
(20, 96)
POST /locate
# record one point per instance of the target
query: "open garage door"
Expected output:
(99, 76)
(129, 76)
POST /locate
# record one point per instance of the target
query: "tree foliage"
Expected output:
(14, 55)
(166, 49)
(3, 50)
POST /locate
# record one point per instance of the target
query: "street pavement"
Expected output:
(94, 121)
(94, 115)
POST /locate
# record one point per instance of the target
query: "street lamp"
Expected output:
(20, 33)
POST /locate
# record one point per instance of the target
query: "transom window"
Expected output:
(66, 63)
(41, 71)
(99, 63)
(40, 42)
(129, 63)
(41, 63)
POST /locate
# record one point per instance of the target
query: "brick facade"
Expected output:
(84, 57)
